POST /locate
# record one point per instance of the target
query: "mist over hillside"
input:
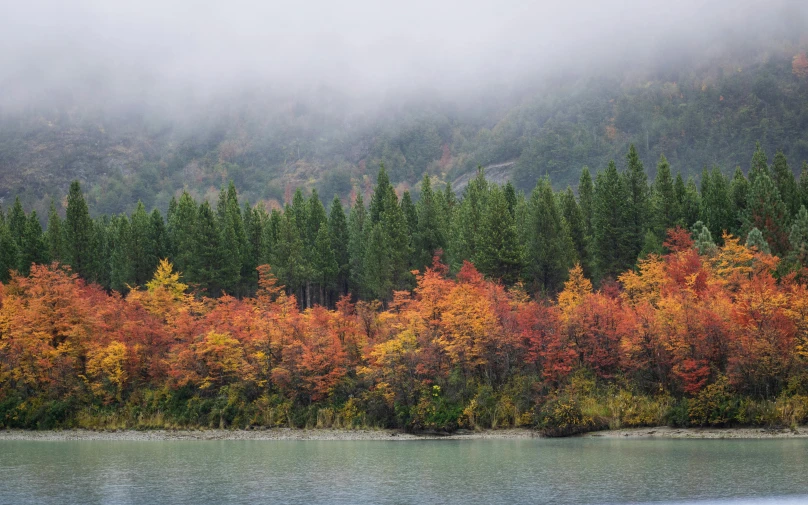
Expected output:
(141, 102)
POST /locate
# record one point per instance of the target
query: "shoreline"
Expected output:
(289, 434)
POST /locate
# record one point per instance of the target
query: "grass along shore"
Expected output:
(661, 432)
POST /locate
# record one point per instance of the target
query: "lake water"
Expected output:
(430, 472)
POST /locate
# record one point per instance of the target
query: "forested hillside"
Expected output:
(701, 110)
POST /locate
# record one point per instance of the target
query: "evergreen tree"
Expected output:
(755, 240)
(465, 229)
(140, 247)
(270, 236)
(254, 219)
(575, 221)
(690, 203)
(209, 262)
(233, 242)
(16, 222)
(9, 254)
(288, 255)
(324, 263)
(182, 232)
(784, 180)
(613, 251)
(339, 236)
(798, 238)
(500, 254)
(55, 235)
(510, 197)
(666, 212)
(586, 194)
(429, 236)
(548, 247)
(380, 195)
(377, 266)
(33, 248)
(739, 193)
(703, 239)
(358, 231)
(759, 164)
(78, 232)
(158, 241)
(766, 211)
(803, 189)
(716, 205)
(410, 214)
(121, 262)
(636, 183)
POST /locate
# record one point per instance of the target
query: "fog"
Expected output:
(164, 53)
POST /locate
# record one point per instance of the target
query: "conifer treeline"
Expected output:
(370, 251)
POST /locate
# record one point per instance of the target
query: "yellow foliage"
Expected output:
(575, 289)
(106, 365)
(645, 286)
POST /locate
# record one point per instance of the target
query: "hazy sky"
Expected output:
(152, 48)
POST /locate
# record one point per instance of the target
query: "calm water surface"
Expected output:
(461, 472)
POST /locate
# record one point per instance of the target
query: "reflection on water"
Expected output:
(590, 471)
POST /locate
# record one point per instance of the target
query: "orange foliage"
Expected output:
(676, 324)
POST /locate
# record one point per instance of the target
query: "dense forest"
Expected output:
(631, 302)
(701, 109)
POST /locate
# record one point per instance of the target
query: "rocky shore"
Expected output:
(663, 432)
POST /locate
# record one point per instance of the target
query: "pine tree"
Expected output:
(766, 211)
(100, 253)
(636, 183)
(410, 214)
(16, 222)
(586, 194)
(510, 197)
(78, 232)
(9, 254)
(703, 239)
(140, 246)
(380, 195)
(377, 268)
(33, 248)
(755, 240)
(182, 233)
(339, 236)
(548, 247)
(613, 252)
(575, 221)
(500, 254)
(288, 255)
(233, 241)
(666, 212)
(690, 203)
(798, 238)
(429, 237)
(739, 192)
(784, 180)
(465, 230)
(759, 164)
(55, 235)
(158, 240)
(254, 219)
(122, 257)
(716, 205)
(803, 189)
(358, 231)
(324, 263)
(209, 262)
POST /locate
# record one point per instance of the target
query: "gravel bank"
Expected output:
(267, 434)
(663, 432)
(702, 433)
